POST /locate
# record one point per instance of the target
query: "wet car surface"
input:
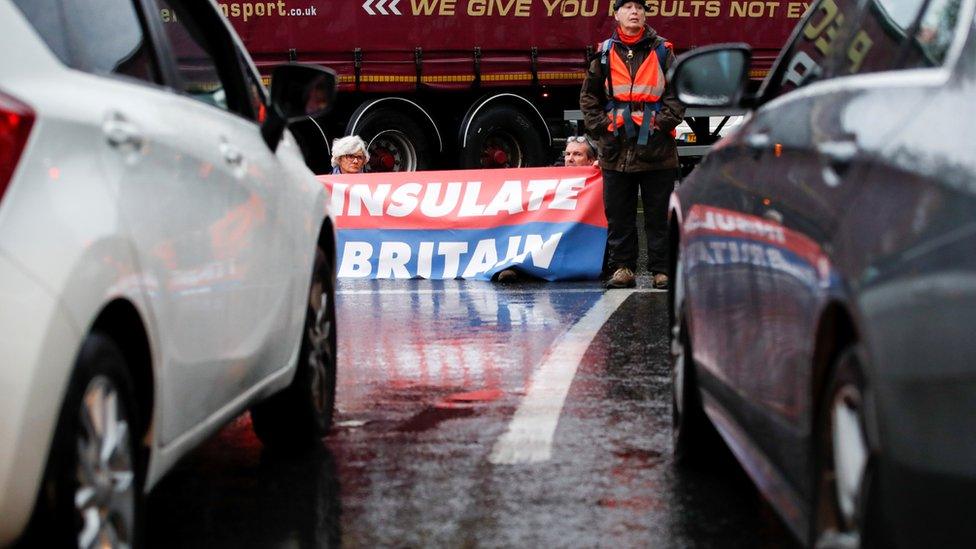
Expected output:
(825, 274)
(430, 377)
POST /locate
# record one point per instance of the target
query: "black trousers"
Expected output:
(620, 191)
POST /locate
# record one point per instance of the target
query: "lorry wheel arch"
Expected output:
(399, 133)
(516, 120)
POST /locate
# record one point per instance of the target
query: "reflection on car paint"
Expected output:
(716, 236)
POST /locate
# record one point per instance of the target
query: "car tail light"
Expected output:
(16, 120)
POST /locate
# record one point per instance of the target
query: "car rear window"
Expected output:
(897, 34)
(846, 37)
(47, 18)
(936, 30)
(96, 36)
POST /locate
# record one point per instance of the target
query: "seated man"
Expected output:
(580, 151)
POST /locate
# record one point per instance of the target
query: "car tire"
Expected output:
(845, 475)
(693, 435)
(396, 142)
(88, 496)
(301, 414)
(503, 137)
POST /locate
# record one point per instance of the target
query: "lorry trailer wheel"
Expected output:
(396, 142)
(503, 137)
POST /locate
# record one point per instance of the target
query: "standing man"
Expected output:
(630, 107)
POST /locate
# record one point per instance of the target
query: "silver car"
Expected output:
(166, 258)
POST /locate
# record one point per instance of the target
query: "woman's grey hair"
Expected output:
(350, 144)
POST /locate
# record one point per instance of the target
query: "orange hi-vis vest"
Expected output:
(634, 102)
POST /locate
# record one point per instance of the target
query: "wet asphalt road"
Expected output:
(431, 375)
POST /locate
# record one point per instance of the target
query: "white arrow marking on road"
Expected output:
(529, 436)
(366, 7)
(392, 7)
(379, 6)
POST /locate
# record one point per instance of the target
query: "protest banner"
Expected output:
(544, 222)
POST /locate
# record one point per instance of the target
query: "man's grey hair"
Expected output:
(350, 144)
(591, 148)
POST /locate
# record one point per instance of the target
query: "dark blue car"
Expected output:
(824, 267)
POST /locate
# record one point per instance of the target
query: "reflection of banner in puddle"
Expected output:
(547, 222)
(447, 340)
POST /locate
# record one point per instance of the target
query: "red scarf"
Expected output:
(630, 39)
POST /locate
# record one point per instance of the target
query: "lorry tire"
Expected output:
(503, 137)
(396, 142)
(300, 415)
(313, 143)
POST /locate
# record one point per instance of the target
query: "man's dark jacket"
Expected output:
(621, 153)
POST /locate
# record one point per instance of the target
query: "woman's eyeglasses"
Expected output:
(356, 157)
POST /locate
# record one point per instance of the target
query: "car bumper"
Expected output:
(923, 508)
(37, 346)
(928, 478)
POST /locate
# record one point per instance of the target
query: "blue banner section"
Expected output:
(549, 251)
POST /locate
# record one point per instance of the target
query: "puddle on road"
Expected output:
(453, 406)
(351, 424)
(431, 417)
(644, 457)
(486, 395)
(637, 503)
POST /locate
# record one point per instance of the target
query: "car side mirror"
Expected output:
(712, 76)
(297, 90)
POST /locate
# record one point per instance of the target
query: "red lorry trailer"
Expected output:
(474, 83)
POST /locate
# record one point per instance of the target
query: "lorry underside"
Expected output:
(443, 84)
(428, 129)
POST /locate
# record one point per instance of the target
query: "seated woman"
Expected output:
(349, 155)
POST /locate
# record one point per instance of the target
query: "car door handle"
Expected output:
(758, 143)
(121, 133)
(232, 155)
(773, 215)
(838, 153)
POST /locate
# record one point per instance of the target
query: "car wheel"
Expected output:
(301, 414)
(844, 463)
(692, 434)
(503, 137)
(92, 485)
